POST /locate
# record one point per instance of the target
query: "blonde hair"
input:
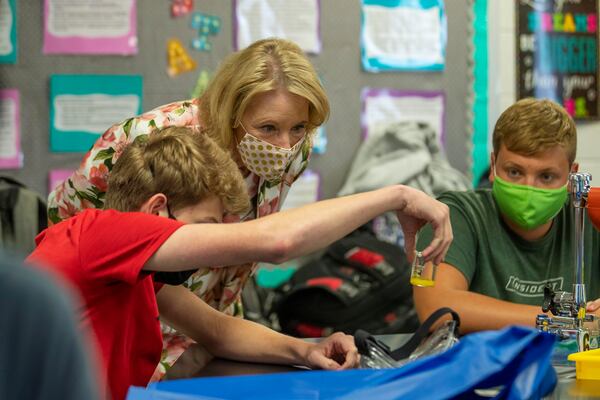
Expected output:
(533, 125)
(184, 165)
(263, 66)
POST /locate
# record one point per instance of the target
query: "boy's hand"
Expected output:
(335, 352)
(593, 306)
(421, 209)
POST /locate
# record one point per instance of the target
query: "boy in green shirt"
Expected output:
(512, 240)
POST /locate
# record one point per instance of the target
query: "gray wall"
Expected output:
(338, 64)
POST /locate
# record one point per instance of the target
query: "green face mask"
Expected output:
(528, 206)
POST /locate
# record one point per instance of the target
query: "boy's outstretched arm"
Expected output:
(288, 234)
(238, 339)
(477, 311)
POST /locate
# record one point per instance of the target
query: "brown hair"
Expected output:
(533, 125)
(184, 165)
(265, 65)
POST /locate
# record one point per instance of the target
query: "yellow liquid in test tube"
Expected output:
(416, 281)
(419, 276)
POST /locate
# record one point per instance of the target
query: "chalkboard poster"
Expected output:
(557, 53)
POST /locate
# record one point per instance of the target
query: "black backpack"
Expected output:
(359, 283)
(22, 216)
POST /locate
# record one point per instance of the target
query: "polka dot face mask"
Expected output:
(264, 159)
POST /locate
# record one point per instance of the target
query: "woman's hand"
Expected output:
(338, 351)
(419, 210)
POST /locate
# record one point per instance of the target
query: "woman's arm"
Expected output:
(289, 234)
(238, 339)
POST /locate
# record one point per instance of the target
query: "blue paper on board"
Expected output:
(403, 35)
(8, 31)
(82, 107)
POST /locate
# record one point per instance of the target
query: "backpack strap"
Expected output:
(42, 216)
(365, 341)
(11, 181)
(421, 333)
(8, 199)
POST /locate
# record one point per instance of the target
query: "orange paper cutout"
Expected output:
(179, 60)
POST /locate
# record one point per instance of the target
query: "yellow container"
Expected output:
(587, 364)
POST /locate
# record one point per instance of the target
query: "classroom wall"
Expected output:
(502, 84)
(339, 65)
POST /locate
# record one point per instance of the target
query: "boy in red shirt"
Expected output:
(172, 191)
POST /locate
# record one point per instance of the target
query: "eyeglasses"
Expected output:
(170, 214)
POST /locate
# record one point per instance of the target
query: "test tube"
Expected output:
(422, 275)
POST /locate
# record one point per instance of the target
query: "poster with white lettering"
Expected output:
(557, 53)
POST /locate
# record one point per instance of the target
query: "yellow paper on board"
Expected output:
(179, 60)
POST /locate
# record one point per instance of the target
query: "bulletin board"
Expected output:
(338, 64)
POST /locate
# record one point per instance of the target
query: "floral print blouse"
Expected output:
(85, 188)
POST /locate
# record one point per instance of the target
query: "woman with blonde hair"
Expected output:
(263, 105)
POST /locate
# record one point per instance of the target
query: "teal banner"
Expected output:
(82, 107)
(481, 153)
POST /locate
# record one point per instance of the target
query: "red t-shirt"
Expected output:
(101, 254)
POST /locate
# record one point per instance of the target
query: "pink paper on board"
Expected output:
(15, 161)
(57, 176)
(76, 44)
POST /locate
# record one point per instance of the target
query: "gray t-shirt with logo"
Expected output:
(498, 263)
